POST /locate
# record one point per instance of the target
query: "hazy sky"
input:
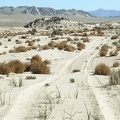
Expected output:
(66, 4)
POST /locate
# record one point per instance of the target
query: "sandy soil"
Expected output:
(54, 96)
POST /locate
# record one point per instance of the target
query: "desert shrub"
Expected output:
(113, 53)
(19, 42)
(115, 43)
(12, 66)
(85, 39)
(27, 41)
(29, 48)
(118, 47)
(69, 48)
(30, 77)
(51, 44)
(5, 69)
(34, 47)
(47, 62)
(36, 58)
(85, 34)
(23, 37)
(62, 45)
(80, 46)
(17, 66)
(76, 39)
(104, 50)
(102, 69)
(0, 43)
(116, 64)
(72, 80)
(31, 43)
(9, 40)
(75, 71)
(39, 68)
(114, 78)
(27, 67)
(55, 38)
(99, 32)
(103, 53)
(69, 39)
(45, 47)
(114, 37)
(79, 31)
(21, 49)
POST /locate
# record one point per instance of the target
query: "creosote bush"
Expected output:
(102, 69)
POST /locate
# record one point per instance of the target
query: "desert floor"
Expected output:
(63, 94)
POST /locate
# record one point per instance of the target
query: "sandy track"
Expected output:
(29, 96)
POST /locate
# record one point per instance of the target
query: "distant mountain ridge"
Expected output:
(105, 13)
(42, 11)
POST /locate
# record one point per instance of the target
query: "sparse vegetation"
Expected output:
(102, 69)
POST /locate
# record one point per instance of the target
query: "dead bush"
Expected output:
(113, 53)
(31, 43)
(45, 47)
(69, 39)
(21, 49)
(76, 39)
(102, 69)
(27, 67)
(85, 34)
(116, 64)
(85, 39)
(103, 53)
(80, 46)
(47, 62)
(36, 58)
(114, 37)
(51, 44)
(118, 47)
(62, 45)
(69, 48)
(39, 68)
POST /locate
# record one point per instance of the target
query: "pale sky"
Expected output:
(86, 5)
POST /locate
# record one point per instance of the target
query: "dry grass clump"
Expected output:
(47, 62)
(118, 47)
(114, 37)
(113, 53)
(19, 42)
(85, 39)
(69, 48)
(103, 53)
(62, 45)
(69, 39)
(51, 44)
(39, 68)
(85, 34)
(31, 43)
(116, 64)
(13, 66)
(102, 69)
(114, 78)
(80, 46)
(55, 38)
(76, 39)
(104, 50)
(45, 47)
(99, 32)
(36, 58)
(21, 49)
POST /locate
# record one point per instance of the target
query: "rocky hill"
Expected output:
(42, 11)
(55, 23)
